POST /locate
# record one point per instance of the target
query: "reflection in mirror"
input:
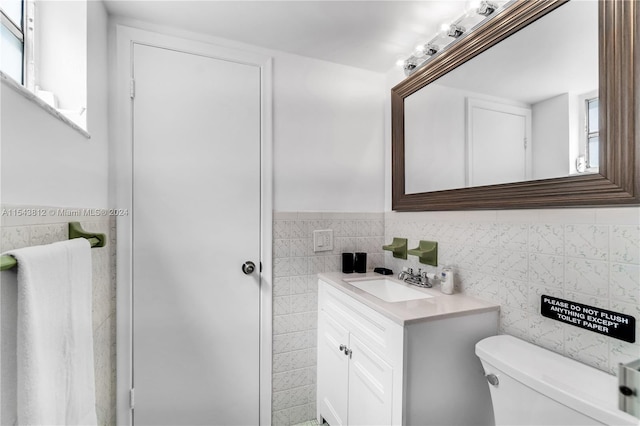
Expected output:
(526, 109)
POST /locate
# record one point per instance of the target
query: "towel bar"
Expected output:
(75, 231)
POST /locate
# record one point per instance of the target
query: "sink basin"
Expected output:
(389, 291)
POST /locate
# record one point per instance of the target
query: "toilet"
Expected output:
(533, 386)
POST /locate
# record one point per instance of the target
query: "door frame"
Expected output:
(121, 193)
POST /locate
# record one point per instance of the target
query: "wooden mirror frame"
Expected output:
(618, 180)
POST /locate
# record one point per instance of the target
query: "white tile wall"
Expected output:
(295, 298)
(510, 257)
(23, 231)
(590, 256)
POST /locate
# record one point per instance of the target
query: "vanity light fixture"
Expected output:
(486, 8)
(430, 49)
(475, 14)
(455, 30)
(410, 64)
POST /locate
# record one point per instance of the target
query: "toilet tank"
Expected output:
(538, 387)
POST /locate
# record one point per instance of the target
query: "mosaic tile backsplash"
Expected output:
(590, 256)
(23, 231)
(295, 298)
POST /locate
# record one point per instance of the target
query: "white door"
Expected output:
(196, 220)
(333, 370)
(498, 143)
(370, 384)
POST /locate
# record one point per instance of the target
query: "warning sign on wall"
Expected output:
(609, 323)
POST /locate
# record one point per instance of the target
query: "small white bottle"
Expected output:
(446, 281)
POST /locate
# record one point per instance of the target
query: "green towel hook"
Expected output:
(96, 240)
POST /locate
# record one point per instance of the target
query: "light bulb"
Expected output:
(486, 8)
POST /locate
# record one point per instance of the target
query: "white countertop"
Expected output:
(437, 307)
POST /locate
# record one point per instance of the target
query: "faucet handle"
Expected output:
(424, 279)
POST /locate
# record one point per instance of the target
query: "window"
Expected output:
(592, 133)
(12, 39)
(16, 50)
(59, 77)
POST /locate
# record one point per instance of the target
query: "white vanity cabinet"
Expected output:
(377, 370)
(355, 361)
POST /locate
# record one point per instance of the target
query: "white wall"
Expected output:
(328, 146)
(435, 154)
(46, 162)
(394, 76)
(551, 134)
(327, 130)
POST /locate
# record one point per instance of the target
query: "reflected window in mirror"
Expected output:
(588, 158)
(592, 134)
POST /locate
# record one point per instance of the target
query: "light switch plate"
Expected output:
(323, 240)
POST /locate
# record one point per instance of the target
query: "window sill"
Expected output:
(21, 90)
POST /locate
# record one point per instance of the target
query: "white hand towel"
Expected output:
(56, 384)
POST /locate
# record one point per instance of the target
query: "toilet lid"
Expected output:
(576, 385)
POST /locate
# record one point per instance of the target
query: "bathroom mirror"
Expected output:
(458, 80)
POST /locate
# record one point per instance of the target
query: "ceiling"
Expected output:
(371, 35)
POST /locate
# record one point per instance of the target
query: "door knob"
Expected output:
(248, 267)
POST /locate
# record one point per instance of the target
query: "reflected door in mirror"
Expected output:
(497, 143)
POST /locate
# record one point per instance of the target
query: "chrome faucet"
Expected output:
(420, 279)
(404, 273)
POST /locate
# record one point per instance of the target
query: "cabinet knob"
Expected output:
(342, 348)
(347, 352)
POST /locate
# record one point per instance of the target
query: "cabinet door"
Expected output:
(333, 367)
(370, 384)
